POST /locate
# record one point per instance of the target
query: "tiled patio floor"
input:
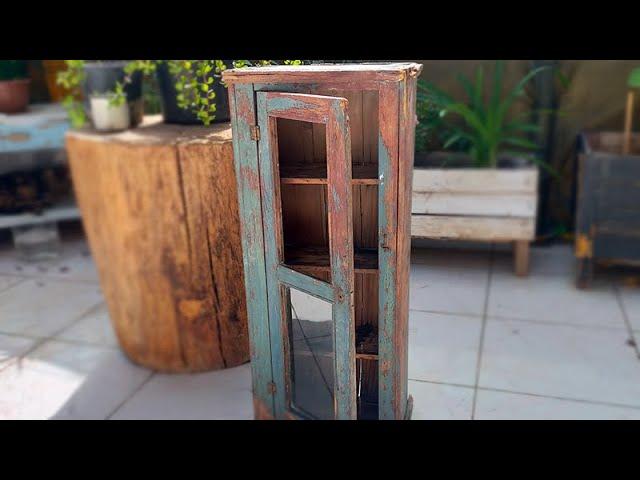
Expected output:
(483, 344)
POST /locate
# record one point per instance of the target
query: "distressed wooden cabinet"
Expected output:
(608, 203)
(324, 157)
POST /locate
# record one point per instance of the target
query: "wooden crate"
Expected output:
(608, 203)
(492, 205)
(324, 156)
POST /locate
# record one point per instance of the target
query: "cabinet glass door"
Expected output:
(307, 213)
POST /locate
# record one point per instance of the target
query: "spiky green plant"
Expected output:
(488, 128)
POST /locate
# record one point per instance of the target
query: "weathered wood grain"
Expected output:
(242, 108)
(162, 223)
(484, 204)
(475, 180)
(379, 115)
(495, 229)
(353, 73)
(388, 150)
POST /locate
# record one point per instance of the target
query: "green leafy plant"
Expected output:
(195, 80)
(72, 79)
(13, 70)
(432, 130)
(485, 128)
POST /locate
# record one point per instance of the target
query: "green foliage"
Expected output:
(195, 80)
(634, 78)
(432, 130)
(13, 69)
(486, 128)
(71, 79)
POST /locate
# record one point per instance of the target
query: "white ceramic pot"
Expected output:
(109, 117)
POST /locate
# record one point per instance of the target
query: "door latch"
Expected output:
(255, 133)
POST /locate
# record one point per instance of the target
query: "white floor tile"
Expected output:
(555, 259)
(562, 361)
(492, 405)
(553, 299)
(444, 259)
(443, 348)
(219, 395)
(440, 402)
(438, 289)
(7, 281)
(12, 347)
(75, 263)
(94, 328)
(631, 300)
(76, 380)
(40, 308)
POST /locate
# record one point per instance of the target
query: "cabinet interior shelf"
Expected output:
(307, 259)
(316, 174)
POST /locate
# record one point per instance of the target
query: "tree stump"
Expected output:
(159, 206)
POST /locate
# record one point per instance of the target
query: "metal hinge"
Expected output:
(255, 133)
(271, 387)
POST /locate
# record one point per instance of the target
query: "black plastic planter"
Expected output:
(102, 77)
(174, 114)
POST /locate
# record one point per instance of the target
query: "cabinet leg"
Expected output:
(584, 272)
(521, 257)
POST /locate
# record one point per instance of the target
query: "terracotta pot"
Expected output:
(14, 95)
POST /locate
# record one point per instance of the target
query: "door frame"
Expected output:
(331, 111)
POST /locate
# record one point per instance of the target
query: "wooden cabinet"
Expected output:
(324, 158)
(608, 203)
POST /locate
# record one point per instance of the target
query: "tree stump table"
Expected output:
(159, 206)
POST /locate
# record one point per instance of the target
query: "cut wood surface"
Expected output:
(472, 228)
(159, 205)
(323, 73)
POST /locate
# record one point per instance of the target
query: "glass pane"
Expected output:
(311, 354)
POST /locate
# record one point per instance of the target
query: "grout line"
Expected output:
(131, 395)
(440, 312)
(45, 277)
(482, 331)
(556, 323)
(627, 322)
(569, 399)
(82, 316)
(448, 384)
(42, 340)
(529, 394)
(19, 280)
(525, 320)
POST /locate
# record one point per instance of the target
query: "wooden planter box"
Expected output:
(476, 204)
(608, 203)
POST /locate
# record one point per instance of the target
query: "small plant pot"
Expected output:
(102, 77)
(14, 95)
(109, 118)
(173, 114)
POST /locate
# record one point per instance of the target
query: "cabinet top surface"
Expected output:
(323, 72)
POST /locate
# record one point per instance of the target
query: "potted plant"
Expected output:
(112, 95)
(192, 91)
(14, 86)
(484, 187)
